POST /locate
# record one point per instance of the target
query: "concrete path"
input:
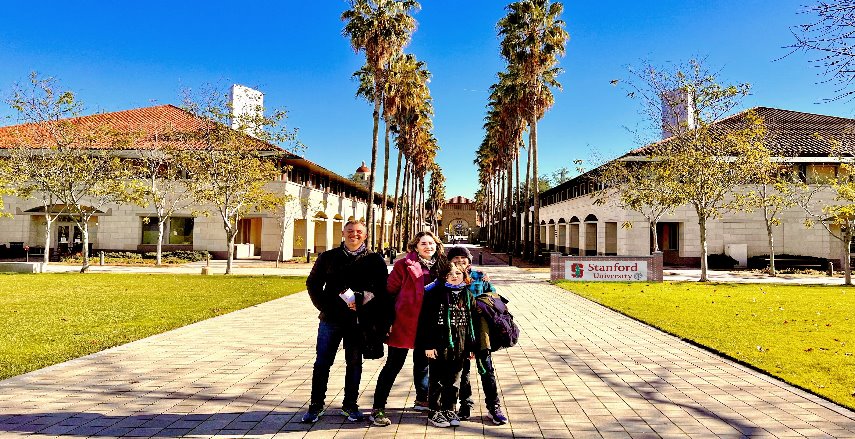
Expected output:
(580, 371)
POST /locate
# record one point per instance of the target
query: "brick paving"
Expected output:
(579, 371)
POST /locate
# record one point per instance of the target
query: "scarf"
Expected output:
(427, 262)
(355, 252)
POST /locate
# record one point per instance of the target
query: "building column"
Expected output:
(330, 225)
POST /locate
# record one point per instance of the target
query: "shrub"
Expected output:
(784, 261)
(721, 261)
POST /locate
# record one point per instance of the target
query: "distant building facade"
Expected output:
(571, 223)
(459, 218)
(324, 200)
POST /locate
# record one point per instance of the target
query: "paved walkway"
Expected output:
(580, 371)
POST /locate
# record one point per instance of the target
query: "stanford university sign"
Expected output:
(607, 268)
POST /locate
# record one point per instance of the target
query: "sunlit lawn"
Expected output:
(804, 335)
(51, 318)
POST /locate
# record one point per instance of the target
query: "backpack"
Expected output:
(504, 333)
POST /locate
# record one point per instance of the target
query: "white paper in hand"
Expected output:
(348, 296)
(367, 296)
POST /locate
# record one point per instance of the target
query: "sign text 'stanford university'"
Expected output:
(605, 270)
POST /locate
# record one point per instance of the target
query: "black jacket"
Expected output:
(335, 271)
(435, 329)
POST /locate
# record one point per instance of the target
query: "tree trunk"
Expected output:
(527, 240)
(369, 214)
(532, 141)
(770, 234)
(385, 187)
(422, 203)
(518, 205)
(405, 202)
(84, 231)
(702, 222)
(160, 222)
(846, 257)
(654, 234)
(509, 237)
(231, 233)
(395, 232)
(48, 224)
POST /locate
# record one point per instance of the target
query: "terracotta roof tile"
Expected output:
(131, 129)
(792, 133)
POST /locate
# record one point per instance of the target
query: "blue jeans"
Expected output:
(394, 364)
(330, 335)
(488, 381)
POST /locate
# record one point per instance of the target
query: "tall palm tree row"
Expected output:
(533, 37)
(381, 29)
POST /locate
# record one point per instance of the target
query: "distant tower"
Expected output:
(361, 175)
(247, 105)
(678, 112)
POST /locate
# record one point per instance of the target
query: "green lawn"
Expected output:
(51, 318)
(804, 335)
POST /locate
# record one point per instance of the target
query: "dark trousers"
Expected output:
(488, 381)
(330, 335)
(394, 363)
(445, 372)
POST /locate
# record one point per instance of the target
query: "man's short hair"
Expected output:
(353, 222)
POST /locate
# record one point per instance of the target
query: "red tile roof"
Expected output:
(129, 129)
(791, 133)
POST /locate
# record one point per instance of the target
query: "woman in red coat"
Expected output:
(406, 285)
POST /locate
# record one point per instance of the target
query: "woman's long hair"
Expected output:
(439, 256)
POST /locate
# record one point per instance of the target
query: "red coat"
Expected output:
(407, 285)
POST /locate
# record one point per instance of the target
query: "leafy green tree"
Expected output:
(231, 169)
(646, 187)
(67, 163)
(829, 201)
(533, 37)
(707, 159)
(162, 169)
(774, 190)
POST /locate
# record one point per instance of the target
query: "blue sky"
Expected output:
(122, 55)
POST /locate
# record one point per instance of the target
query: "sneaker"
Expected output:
(353, 414)
(312, 414)
(437, 418)
(497, 416)
(421, 406)
(378, 417)
(453, 420)
(464, 412)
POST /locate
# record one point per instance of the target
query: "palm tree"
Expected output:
(381, 29)
(533, 37)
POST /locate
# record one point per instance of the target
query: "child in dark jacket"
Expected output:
(446, 334)
(482, 291)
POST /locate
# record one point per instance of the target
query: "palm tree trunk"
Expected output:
(509, 237)
(385, 187)
(518, 218)
(405, 205)
(532, 141)
(393, 234)
(369, 214)
(527, 240)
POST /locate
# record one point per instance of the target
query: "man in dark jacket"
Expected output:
(341, 281)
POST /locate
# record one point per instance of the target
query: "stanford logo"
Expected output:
(576, 270)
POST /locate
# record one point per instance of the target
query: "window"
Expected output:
(177, 231)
